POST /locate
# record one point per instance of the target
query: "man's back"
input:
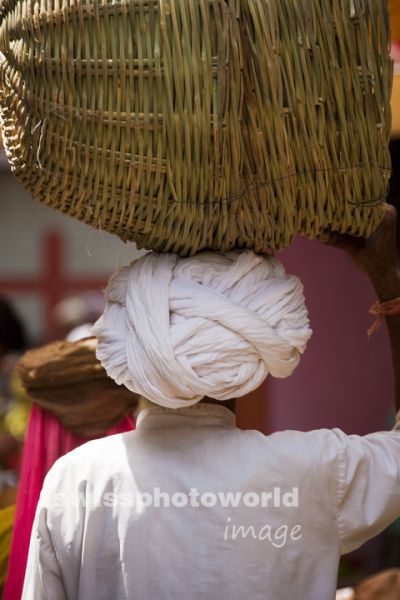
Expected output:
(188, 506)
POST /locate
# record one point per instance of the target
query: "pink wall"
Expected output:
(344, 380)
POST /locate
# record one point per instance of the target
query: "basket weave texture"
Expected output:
(190, 124)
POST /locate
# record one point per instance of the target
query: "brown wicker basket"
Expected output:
(190, 124)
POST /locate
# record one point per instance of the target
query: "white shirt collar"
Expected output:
(198, 415)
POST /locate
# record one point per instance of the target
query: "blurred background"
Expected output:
(53, 269)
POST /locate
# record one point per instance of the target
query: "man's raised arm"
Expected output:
(379, 257)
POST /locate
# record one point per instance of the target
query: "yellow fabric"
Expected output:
(16, 419)
(6, 526)
(394, 7)
(396, 107)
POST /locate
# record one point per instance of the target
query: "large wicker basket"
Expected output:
(190, 124)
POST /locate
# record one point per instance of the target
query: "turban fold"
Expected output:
(177, 329)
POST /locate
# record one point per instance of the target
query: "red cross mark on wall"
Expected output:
(52, 283)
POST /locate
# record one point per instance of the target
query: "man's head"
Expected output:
(67, 380)
(178, 329)
(383, 586)
(12, 334)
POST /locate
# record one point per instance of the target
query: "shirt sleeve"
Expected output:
(368, 486)
(55, 551)
(43, 578)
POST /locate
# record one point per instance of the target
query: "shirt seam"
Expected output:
(340, 493)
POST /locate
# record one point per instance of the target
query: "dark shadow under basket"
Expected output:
(183, 124)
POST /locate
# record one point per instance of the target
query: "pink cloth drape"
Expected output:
(46, 440)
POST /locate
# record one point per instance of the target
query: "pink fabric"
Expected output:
(46, 440)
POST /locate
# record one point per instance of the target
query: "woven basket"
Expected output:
(190, 124)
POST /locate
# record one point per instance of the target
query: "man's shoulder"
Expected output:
(91, 456)
(294, 436)
(302, 447)
(98, 447)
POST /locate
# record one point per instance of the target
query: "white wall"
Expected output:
(22, 223)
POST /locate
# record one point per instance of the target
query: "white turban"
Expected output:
(177, 329)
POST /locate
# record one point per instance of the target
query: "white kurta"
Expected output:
(104, 529)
